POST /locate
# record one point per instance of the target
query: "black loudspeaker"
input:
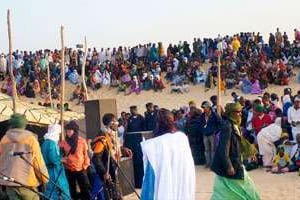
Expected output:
(126, 175)
(94, 110)
(92, 118)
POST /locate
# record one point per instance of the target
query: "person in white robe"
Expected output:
(266, 138)
(168, 163)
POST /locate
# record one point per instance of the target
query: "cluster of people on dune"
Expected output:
(247, 62)
(230, 141)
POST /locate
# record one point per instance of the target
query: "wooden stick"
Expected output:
(49, 85)
(219, 84)
(62, 85)
(83, 69)
(11, 71)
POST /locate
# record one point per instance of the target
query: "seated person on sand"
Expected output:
(74, 77)
(281, 161)
(176, 88)
(21, 87)
(158, 84)
(55, 94)
(96, 80)
(134, 86)
(199, 76)
(114, 81)
(245, 85)
(29, 92)
(169, 75)
(210, 82)
(295, 155)
(76, 93)
(106, 78)
(230, 81)
(122, 88)
(43, 87)
(36, 87)
(6, 87)
(282, 78)
(149, 83)
(255, 87)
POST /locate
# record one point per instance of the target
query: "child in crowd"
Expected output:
(281, 161)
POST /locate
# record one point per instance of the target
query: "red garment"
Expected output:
(258, 123)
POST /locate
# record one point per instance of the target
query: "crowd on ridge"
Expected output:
(248, 62)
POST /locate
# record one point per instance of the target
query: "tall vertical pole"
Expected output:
(11, 71)
(62, 81)
(49, 85)
(83, 69)
(219, 84)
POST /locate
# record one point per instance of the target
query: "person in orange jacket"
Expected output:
(76, 161)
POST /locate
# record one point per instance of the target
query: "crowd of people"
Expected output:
(263, 132)
(241, 136)
(247, 62)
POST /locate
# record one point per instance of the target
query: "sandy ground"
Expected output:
(165, 99)
(270, 186)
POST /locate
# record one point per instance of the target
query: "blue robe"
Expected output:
(246, 86)
(56, 171)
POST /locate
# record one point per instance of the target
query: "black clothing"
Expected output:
(132, 141)
(196, 140)
(150, 121)
(82, 179)
(228, 152)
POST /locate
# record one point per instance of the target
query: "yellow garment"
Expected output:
(107, 142)
(15, 137)
(236, 45)
(285, 157)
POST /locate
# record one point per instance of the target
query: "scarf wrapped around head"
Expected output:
(53, 133)
(230, 110)
(18, 121)
(247, 149)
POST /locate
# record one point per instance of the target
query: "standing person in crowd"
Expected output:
(169, 166)
(209, 125)
(150, 117)
(260, 119)
(76, 161)
(232, 180)
(17, 139)
(194, 135)
(132, 141)
(107, 147)
(56, 170)
(294, 117)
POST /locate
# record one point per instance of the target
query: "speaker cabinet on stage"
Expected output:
(94, 111)
(126, 175)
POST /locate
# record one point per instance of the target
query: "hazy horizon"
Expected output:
(36, 24)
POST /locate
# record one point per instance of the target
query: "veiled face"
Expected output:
(69, 133)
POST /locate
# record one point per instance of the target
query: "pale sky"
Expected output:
(109, 23)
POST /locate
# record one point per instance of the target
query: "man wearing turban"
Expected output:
(17, 139)
(232, 180)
